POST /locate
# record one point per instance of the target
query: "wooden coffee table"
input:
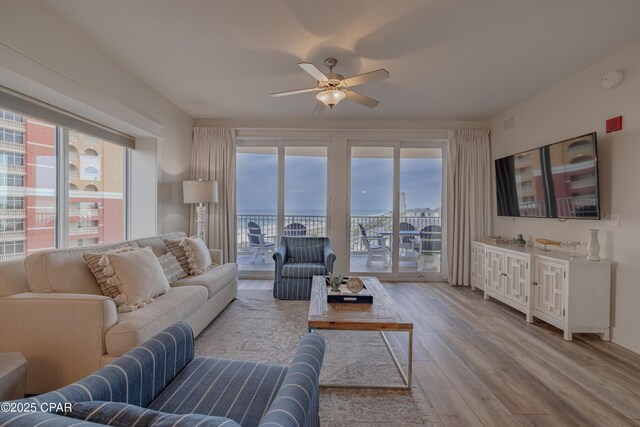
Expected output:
(383, 315)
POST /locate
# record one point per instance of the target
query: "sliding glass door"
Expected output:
(396, 195)
(420, 210)
(371, 209)
(257, 204)
(305, 191)
(281, 191)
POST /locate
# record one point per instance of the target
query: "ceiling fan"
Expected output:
(333, 87)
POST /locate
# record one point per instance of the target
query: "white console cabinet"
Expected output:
(571, 294)
(478, 271)
(507, 277)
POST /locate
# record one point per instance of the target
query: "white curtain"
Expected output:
(213, 158)
(468, 198)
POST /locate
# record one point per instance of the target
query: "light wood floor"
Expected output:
(480, 363)
(358, 264)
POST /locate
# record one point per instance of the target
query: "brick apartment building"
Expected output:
(28, 188)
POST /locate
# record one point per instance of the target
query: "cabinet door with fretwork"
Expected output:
(549, 288)
(494, 264)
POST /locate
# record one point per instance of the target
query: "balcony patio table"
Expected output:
(409, 255)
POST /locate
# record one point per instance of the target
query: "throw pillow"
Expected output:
(93, 262)
(126, 415)
(173, 245)
(138, 276)
(172, 268)
(198, 255)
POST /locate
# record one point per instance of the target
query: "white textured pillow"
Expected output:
(171, 267)
(198, 255)
(138, 276)
(97, 263)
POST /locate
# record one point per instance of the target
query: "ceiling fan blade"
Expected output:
(319, 108)
(363, 78)
(295, 92)
(313, 70)
(361, 99)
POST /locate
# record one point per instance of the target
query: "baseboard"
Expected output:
(626, 339)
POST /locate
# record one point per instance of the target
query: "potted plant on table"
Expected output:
(335, 282)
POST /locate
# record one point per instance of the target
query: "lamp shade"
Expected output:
(200, 191)
(331, 97)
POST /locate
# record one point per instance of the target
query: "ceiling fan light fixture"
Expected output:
(331, 97)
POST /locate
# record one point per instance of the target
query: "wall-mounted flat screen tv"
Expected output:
(555, 181)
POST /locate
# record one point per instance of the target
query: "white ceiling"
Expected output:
(449, 59)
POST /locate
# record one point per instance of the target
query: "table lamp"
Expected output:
(200, 192)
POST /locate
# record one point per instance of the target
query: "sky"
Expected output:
(306, 178)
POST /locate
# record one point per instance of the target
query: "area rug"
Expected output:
(258, 327)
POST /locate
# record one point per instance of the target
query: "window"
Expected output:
(73, 172)
(396, 200)
(11, 202)
(10, 115)
(11, 158)
(12, 136)
(102, 213)
(87, 242)
(73, 151)
(34, 208)
(90, 172)
(281, 191)
(12, 248)
(13, 224)
(11, 180)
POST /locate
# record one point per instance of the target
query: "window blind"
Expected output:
(32, 107)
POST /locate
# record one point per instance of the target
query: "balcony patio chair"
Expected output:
(429, 245)
(298, 259)
(295, 229)
(406, 242)
(258, 242)
(375, 245)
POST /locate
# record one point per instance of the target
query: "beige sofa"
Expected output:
(52, 311)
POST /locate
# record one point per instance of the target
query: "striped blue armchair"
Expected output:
(298, 259)
(162, 383)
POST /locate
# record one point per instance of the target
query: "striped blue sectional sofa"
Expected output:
(161, 383)
(298, 259)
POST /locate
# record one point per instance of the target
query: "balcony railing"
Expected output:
(584, 182)
(12, 124)
(581, 148)
(88, 176)
(533, 209)
(580, 206)
(83, 230)
(317, 226)
(13, 169)
(12, 213)
(374, 224)
(83, 212)
(11, 235)
(11, 257)
(12, 146)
